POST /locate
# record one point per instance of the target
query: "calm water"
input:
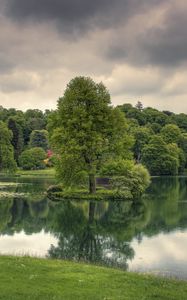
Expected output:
(149, 236)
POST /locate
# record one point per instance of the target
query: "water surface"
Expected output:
(147, 236)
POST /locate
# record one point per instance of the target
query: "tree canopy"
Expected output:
(87, 130)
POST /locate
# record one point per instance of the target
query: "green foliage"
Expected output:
(183, 145)
(178, 153)
(127, 177)
(86, 130)
(182, 160)
(171, 127)
(32, 159)
(159, 158)
(17, 136)
(171, 134)
(68, 168)
(7, 162)
(118, 167)
(101, 195)
(134, 181)
(155, 127)
(32, 119)
(86, 126)
(154, 116)
(142, 136)
(39, 138)
(133, 113)
(180, 120)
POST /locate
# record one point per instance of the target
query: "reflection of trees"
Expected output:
(39, 209)
(97, 232)
(5, 213)
(167, 203)
(23, 207)
(19, 214)
(90, 239)
(103, 233)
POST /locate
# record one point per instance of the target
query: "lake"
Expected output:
(147, 236)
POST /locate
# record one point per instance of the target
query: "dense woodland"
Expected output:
(156, 139)
(160, 138)
(24, 139)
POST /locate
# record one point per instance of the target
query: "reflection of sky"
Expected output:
(164, 253)
(21, 244)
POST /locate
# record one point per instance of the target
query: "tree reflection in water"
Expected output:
(96, 232)
(104, 240)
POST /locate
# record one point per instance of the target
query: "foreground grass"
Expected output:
(39, 279)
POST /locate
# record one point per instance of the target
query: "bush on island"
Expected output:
(127, 176)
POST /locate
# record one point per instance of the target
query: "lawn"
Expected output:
(44, 172)
(42, 279)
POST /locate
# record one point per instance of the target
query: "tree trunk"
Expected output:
(139, 158)
(91, 212)
(92, 184)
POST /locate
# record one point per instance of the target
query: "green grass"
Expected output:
(40, 279)
(101, 194)
(48, 171)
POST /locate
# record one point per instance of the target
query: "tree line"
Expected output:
(90, 137)
(23, 139)
(160, 138)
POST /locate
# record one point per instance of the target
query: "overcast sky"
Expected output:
(138, 48)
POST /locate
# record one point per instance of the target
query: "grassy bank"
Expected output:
(37, 279)
(19, 172)
(102, 194)
(44, 172)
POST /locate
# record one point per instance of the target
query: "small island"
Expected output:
(90, 139)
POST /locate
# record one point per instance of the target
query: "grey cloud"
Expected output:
(168, 46)
(164, 46)
(76, 14)
(39, 54)
(5, 63)
(155, 45)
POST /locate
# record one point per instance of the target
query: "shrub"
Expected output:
(127, 177)
(32, 159)
(119, 167)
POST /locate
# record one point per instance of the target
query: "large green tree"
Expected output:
(86, 130)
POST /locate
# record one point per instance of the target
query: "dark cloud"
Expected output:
(168, 46)
(156, 45)
(76, 14)
(137, 47)
(164, 45)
